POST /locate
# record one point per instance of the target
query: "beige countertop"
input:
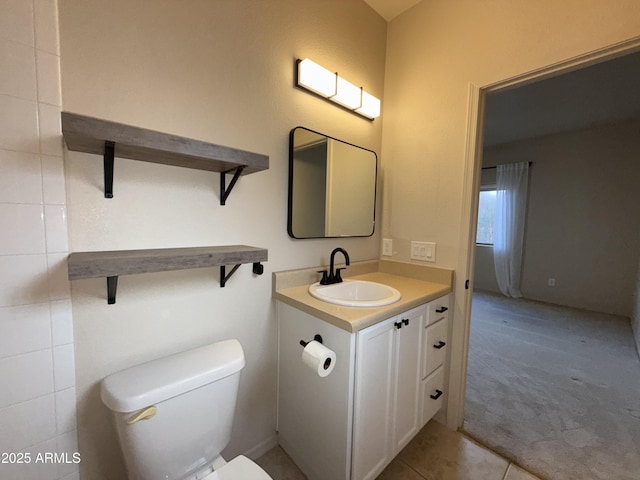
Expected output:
(414, 292)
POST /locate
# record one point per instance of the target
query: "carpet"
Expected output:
(554, 389)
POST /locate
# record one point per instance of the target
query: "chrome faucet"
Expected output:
(334, 275)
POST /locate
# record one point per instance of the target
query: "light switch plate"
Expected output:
(425, 251)
(387, 247)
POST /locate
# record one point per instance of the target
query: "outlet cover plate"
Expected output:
(425, 251)
(387, 247)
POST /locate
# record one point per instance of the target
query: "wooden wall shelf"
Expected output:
(111, 139)
(111, 264)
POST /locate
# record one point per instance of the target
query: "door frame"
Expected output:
(469, 218)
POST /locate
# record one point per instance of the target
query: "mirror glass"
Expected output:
(332, 187)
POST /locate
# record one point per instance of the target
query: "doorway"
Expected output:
(474, 150)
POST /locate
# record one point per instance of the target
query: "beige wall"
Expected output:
(222, 72)
(435, 51)
(580, 229)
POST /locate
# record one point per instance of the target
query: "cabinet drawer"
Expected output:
(432, 394)
(435, 346)
(438, 310)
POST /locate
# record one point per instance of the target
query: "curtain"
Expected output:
(508, 228)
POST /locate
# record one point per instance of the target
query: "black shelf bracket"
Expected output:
(109, 153)
(258, 269)
(112, 286)
(225, 277)
(224, 191)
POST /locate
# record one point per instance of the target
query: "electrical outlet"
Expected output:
(387, 247)
(425, 251)
(551, 282)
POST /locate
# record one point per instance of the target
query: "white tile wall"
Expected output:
(61, 322)
(18, 72)
(48, 71)
(27, 423)
(25, 328)
(26, 376)
(46, 19)
(19, 124)
(21, 180)
(37, 372)
(23, 229)
(23, 280)
(53, 190)
(32, 471)
(16, 21)
(63, 367)
(66, 410)
(56, 228)
(67, 443)
(50, 128)
(59, 287)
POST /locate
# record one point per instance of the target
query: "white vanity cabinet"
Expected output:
(387, 407)
(352, 423)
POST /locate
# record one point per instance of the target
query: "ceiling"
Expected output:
(603, 93)
(389, 9)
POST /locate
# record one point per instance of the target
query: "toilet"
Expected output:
(174, 415)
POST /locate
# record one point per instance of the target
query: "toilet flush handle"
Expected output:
(143, 414)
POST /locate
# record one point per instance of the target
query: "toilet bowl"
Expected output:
(240, 468)
(174, 415)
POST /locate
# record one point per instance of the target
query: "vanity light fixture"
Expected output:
(332, 86)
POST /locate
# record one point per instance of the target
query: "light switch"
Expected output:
(423, 251)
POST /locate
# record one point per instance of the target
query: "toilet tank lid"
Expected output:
(158, 380)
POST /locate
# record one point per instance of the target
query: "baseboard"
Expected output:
(262, 447)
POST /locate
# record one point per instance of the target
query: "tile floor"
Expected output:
(436, 453)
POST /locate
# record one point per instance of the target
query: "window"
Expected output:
(486, 213)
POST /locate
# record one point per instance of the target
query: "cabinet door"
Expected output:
(373, 400)
(407, 389)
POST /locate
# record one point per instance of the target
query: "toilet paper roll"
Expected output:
(319, 358)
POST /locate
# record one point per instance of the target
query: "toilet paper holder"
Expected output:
(326, 358)
(316, 337)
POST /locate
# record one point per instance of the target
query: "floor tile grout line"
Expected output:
(505, 458)
(413, 469)
(506, 472)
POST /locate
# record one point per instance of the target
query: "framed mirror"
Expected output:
(332, 187)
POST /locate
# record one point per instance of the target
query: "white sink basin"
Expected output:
(356, 293)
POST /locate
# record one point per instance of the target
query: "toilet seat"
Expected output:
(240, 468)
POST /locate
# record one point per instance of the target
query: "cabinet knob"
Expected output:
(398, 325)
(442, 309)
(437, 395)
(405, 321)
(439, 345)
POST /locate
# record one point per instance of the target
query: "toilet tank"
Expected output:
(174, 415)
